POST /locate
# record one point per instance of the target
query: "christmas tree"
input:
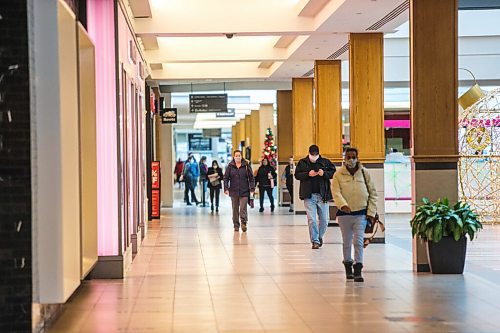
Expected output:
(270, 148)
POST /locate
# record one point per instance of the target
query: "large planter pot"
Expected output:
(447, 256)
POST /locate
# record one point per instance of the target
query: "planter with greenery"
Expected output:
(444, 228)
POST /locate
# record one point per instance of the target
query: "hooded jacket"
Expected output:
(352, 191)
(302, 174)
(239, 181)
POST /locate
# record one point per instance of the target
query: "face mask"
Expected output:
(237, 159)
(351, 163)
(313, 158)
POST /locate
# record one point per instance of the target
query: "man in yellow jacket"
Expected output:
(356, 197)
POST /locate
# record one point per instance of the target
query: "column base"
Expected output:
(112, 267)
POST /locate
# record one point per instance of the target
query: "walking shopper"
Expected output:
(314, 173)
(179, 167)
(215, 177)
(203, 179)
(265, 179)
(287, 178)
(356, 197)
(239, 184)
(188, 180)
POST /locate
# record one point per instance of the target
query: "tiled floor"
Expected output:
(194, 274)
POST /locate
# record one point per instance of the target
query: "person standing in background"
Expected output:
(188, 179)
(179, 167)
(195, 172)
(214, 176)
(203, 179)
(265, 179)
(314, 173)
(287, 178)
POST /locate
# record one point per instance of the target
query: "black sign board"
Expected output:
(168, 116)
(208, 103)
(199, 143)
(231, 113)
(212, 132)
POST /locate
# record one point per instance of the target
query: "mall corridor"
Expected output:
(194, 274)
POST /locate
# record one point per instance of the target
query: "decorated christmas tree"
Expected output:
(270, 148)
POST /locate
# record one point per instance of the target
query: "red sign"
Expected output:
(155, 192)
(155, 175)
(155, 203)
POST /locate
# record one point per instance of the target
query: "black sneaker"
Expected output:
(189, 204)
(320, 242)
(272, 209)
(261, 210)
(244, 227)
(315, 246)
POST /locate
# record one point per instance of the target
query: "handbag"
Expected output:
(251, 200)
(371, 227)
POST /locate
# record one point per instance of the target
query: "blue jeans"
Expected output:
(353, 232)
(316, 207)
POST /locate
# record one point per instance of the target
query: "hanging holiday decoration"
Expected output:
(270, 148)
(479, 146)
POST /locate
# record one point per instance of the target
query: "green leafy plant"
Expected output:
(435, 220)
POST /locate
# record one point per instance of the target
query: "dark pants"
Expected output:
(239, 210)
(189, 187)
(289, 187)
(214, 192)
(269, 192)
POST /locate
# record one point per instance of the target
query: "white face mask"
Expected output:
(237, 159)
(313, 158)
(351, 163)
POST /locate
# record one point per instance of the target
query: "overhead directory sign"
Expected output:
(208, 103)
(212, 133)
(229, 114)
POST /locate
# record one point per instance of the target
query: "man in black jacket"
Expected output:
(314, 173)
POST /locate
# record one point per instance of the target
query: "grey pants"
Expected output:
(353, 232)
(239, 210)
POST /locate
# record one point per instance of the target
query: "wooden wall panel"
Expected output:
(433, 71)
(366, 81)
(328, 108)
(285, 127)
(255, 135)
(302, 116)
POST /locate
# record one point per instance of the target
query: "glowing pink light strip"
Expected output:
(396, 123)
(101, 28)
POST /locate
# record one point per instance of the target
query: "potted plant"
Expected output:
(444, 228)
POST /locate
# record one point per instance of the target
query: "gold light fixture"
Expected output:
(472, 95)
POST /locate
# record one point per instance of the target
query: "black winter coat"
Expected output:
(239, 181)
(218, 171)
(262, 178)
(302, 174)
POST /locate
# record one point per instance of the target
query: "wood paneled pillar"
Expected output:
(302, 116)
(366, 88)
(234, 136)
(285, 129)
(255, 136)
(302, 126)
(328, 108)
(241, 132)
(434, 108)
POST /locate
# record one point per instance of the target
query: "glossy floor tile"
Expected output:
(194, 274)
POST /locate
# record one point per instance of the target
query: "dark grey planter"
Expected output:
(447, 256)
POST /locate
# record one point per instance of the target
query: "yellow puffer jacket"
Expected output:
(350, 190)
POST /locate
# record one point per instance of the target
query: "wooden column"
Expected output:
(328, 108)
(248, 131)
(434, 108)
(366, 83)
(255, 136)
(234, 136)
(302, 116)
(285, 127)
(241, 131)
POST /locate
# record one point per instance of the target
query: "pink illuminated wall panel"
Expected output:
(101, 28)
